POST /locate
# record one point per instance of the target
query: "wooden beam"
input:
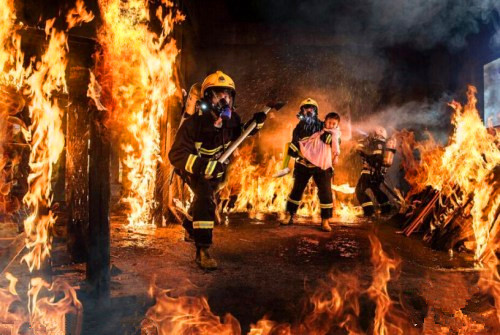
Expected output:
(98, 263)
(10, 253)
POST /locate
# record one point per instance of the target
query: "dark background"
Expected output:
(355, 57)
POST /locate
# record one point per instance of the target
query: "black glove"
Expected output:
(259, 117)
(214, 169)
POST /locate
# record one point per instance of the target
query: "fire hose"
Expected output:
(276, 106)
(272, 105)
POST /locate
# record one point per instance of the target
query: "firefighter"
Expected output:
(199, 142)
(377, 154)
(304, 169)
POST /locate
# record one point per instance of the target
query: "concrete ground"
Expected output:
(268, 270)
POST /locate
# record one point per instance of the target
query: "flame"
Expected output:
(41, 82)
(48, 77)
(141, 66)
(333, 306)
(94, 92)
(383, 265)
(9, 317)
(466, 170)
(12, 71)
(462, 169)
(186, 315)
(77, 15)
(48, 315)
(259, 193)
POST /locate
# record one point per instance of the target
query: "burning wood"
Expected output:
(43, 82)
(455, 190)
(45, 315)
(139, 73)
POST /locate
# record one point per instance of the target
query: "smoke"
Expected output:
(433, 117)
(423, 23)
(428, 22)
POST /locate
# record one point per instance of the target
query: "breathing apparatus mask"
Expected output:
(308, 116)
(221, 109)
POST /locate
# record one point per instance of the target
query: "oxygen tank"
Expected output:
(193, 96)
(390, 150)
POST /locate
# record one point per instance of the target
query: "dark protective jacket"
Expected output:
(371, 150)
(302, 131)
(197, 141)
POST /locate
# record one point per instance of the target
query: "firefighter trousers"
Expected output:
(368, 181)
(202, 210)
(322, 179)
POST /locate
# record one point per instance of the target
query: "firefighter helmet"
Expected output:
(380, 132)
(309, 102)
(218, 79)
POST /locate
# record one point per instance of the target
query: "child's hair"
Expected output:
(332, 115)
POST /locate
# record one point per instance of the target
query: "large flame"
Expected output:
(45, 315)
(259, 193)
(141, 66)
(42, 82)
(11, 57)
(48, 77)
(462, 169)
(333, 306)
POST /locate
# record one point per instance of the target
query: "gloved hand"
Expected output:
(214, 169)
(259, 117)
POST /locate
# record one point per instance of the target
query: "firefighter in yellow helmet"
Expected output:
(199, 142)
(377, 154)
(304, 169)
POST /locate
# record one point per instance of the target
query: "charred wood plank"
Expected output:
(422, 214)
(77, 138)
(98, 262)
(11, 252)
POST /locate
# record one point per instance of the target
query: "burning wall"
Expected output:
(139, 73)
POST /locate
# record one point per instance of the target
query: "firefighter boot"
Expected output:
(386, 208)
(325, 225)
(188, 237)
(288, 220)
(204, 260)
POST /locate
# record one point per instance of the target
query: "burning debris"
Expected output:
(455, 193)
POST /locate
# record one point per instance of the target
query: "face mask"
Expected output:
(225, 110)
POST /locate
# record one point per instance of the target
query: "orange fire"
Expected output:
(383, 265)
(42, 81)
(463, 169)
(335, 305)
(46, 316)
(467, 170)
(259, 193)
(141, 67)
(47, 143)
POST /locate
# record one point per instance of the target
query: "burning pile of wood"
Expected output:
(455, 195)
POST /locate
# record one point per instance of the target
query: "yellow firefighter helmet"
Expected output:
(217, 79)
(380, 132)
(309, 101)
